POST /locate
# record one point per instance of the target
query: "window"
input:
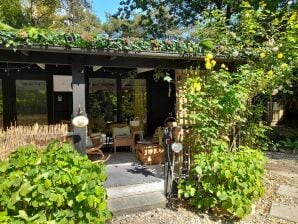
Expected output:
(102, 102)
(134, 99)
(31, 102)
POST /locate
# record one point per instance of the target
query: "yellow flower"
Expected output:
(270, 73)
(262, 55)
(209, 56)
(208, 66)
(207, 60)
(213, 63)
(223, 66)
(284, 65)
(197, 86)
(280, 55)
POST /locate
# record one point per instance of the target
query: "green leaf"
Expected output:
(199, 170)
(70, 203)
(81, 214)
(222, 195)
(207, 44)
(216, 165)
(15, 197)
(4, 165)
(47, 183)
(80, 197)
(60, 200)
(53, 197)
(25, 189)
(23, 215)
(240, 212)
(35, 204)
(90, 200)
(192, 192)
(228, 174)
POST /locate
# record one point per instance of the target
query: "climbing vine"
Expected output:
(226, 103)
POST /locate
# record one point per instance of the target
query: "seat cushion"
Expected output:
(123, 136)
(125, 131)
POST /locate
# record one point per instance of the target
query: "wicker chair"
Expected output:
(121, 138)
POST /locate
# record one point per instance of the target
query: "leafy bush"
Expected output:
(56, 185)
(291, 144)
(229, 181)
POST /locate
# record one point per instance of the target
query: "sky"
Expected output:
(100, 7)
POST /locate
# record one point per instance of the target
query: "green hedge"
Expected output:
(228, 181)
(56, 185)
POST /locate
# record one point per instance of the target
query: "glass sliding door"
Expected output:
(31, 102)
(134, 99)
(102, 103)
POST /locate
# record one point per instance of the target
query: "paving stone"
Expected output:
(285, 174)
(288, 191)
(285, 212)
(136, 203)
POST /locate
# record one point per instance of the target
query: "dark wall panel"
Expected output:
(160, 104)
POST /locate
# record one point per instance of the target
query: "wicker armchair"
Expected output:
(122, 136)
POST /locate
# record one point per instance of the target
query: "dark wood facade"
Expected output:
(78, 63)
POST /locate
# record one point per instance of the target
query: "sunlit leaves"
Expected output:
(52, 185)
(230, 181)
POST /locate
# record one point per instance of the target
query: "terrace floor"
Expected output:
(131, 186)
(123, 169)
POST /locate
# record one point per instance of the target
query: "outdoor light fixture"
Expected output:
(96, 68)
(177, 147)
(80, 121)
(25, 53)
(42, 66)
(142, 70)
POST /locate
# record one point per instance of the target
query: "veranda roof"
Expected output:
(32, 45)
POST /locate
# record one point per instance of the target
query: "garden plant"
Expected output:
(56, 185)
(226, 104)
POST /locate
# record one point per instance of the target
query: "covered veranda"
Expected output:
(24, 66)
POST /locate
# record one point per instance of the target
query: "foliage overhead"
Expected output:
(33, 36)
(234, 99)
(160, 15)
(57, 185)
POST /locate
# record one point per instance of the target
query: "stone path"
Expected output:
(286, 212)
(285, 202)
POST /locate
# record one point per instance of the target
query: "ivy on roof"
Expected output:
(11, 37)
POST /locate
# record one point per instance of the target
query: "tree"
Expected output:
(64, 15)
(122, 27)
(11, 13)
(160, 15)
(85, 21)
(40, 13)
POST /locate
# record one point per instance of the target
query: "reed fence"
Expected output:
(36, 135)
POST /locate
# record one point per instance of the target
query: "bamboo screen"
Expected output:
(36, 135)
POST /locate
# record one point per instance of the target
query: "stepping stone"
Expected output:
(289, 213)
(285, 174)
(288, 191)
(136, 203)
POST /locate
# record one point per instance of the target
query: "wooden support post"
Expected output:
(78, 93)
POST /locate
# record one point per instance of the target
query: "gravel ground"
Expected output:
(281, 168)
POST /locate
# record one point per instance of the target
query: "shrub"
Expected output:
(56, 185)
(228, 181)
